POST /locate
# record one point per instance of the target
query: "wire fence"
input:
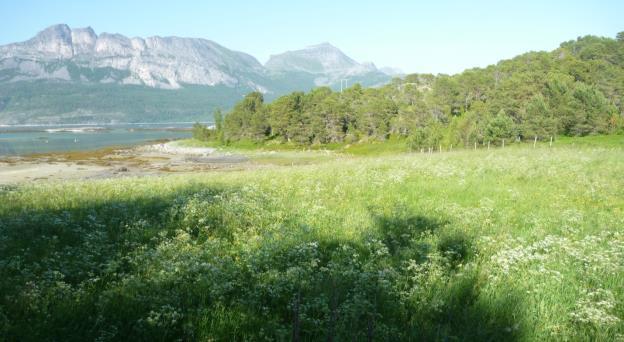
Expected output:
(487, 145)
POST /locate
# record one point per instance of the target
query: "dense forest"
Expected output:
(575, 90)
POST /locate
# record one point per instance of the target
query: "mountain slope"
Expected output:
(47, 102)
(68, 75)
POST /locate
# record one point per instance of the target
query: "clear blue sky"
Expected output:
(433, 36)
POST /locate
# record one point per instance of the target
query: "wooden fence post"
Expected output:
(296, 328)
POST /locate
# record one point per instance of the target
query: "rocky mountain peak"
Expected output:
(54, 40)
(55, 32)
(83, 40)
(327, 46)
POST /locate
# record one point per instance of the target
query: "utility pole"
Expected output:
(346, 84)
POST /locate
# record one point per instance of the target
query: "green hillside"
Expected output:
(575, 90)
(65, 102)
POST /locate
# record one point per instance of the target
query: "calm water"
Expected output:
(22, 140)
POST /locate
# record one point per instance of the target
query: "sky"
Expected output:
(414, 36)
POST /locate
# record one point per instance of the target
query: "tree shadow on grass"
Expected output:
(398, 231)
(460, 310)
(56, 262)
(72, 274)
(403, 282)
(101, 229)
(454, 306)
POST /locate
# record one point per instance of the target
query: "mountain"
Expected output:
(317, 59)
(65, 75)
(61, 53)
(326, 64)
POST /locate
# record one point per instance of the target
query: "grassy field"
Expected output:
(515, 244)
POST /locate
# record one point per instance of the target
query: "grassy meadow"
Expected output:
(514, 244)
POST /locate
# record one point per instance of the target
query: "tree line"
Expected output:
(575, 90)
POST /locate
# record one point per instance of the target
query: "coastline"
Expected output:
(141, 160)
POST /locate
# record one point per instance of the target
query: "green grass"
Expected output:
(395, 145)
(370, 148)
(605, 141)
(514, 244)
(375, 148)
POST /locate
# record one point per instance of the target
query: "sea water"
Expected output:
(24, 140)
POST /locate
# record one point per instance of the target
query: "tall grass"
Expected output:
(514, 244)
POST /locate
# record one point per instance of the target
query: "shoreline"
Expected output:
(104, 124)
(154, 158)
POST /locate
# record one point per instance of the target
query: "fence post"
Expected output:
(488, 144)
(551, 141)
(296, 327)
(535, 141)
(503, 143)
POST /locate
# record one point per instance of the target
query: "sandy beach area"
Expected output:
(142, 160)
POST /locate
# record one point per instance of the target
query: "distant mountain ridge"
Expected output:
(60, 61)
(60, 53)
(163, 62)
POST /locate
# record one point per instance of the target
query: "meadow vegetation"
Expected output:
(514, 244)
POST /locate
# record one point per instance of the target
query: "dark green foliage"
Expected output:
(248, 119)
(218, 119)
(576, 90)
(201, 132)
(539, 120)
(500, 127)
